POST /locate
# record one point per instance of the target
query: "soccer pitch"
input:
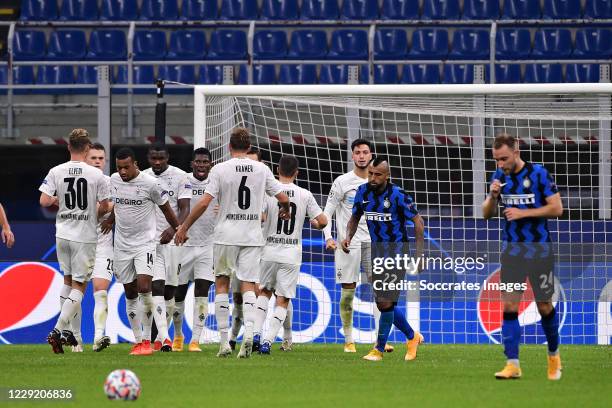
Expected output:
(316, 375)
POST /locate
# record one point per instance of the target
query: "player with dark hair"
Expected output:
(254, 153)
(529, 196)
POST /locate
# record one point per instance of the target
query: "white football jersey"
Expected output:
(105, 241)
(79, 187)
(201, 232)
(284, 238)
(239, 184)
(340, 202)
(175, 182)
(135, 204)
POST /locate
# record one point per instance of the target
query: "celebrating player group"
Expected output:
(236, 226)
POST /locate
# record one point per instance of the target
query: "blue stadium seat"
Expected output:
(54, 75)
(149, 45)
(508, 73)
(552, 43)
(87, 74)
(420, 74)
(79, 10)
(29, 45)
(460, 74)
(513, 43)
(268, 44)
(199, 10)
(228, 44)
(67, 45)
(238, 10)
(308, 44)
(143, 75)
(3, 76)
(480, 9)
(23, 75)
(107, 45)
(593, 43)
(400, 10)
(598, 9)
(177, 73)
(440, 10)
(470, 44)
(338, 74)
(385, 74)
(302, 74)
(279, 10)
(582, 73)
(187, 45)
(320, 10)
(543, 73)
(521, 10)
(561, 9)
(118, 10)
(348, 44)
(210, 74)
(262, 75)
(37, 10)
(159, 10)
(390, 44)
(359, 10)
(429, 43)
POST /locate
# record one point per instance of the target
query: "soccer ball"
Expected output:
(122, 385)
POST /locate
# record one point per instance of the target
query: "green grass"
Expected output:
(319, 375)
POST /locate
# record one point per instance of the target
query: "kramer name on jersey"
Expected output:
(518, 199)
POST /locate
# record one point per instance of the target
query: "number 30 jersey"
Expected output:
(78, 187)
(239, 185)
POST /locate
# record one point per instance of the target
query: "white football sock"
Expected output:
(100, 312)
(76, 323)
(69, 309)
(248, 309)
(177, 318)
(222, 315)
(134, 317)
(146, 305)
(236, 321)
(278, 317)
(346, 313)
(261, 311)
(200, 311)
(159, 314)
(287, 323)
(64, 292)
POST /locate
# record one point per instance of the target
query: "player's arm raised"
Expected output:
(489, 206)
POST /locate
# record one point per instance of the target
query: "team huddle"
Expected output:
(236, 226)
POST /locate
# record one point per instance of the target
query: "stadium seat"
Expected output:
(149, 45)
(54, 75)
(238, 10)
(67, 45)
(3, 76)
(508, 73)
(117, 10)
(582, 73)
(199, 10)
(598, 9)
(400, 10)
(521, 10)
(262, 75)
(228, 44)
(359, 10)
(107, 45)
(159, 10)
(593, 43)
(143, 75)
(561, 9)
(385, 74)
(29, 45)
(268, 44)
(338, 74)
(552, 43)
(187, 45)
(390, 44)
(429, 43)
(320, 10)
(302, 74)
(210, 74)
(543, 73)
(279, 10)
(480, 9)
(79, 10)
(420, 74)
(308, 44)
(177, 73)
(348, 44)
(37, 10)
(440, 10)
(470, 44)
(460, 74)
(513, 43)
(23, 75)
(87, 74)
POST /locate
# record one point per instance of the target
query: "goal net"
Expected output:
(438, 142)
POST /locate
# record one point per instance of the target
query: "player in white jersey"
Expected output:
(282, 254)
(103, 268)
(348, 266)
(75, 187)
(136, 196)
(196, 257)
(239, 184)
(165, 280)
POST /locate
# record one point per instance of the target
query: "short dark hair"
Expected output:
(359, 142)
(97, 146)
(504, 139)
(158, 147)
(255, 150)
(79, 140)
(240, 139)
(378, 160)
(124, 153)
(288, 165)
(202, 150)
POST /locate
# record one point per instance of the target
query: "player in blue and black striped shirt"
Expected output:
(387, 208)
(529, 196)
